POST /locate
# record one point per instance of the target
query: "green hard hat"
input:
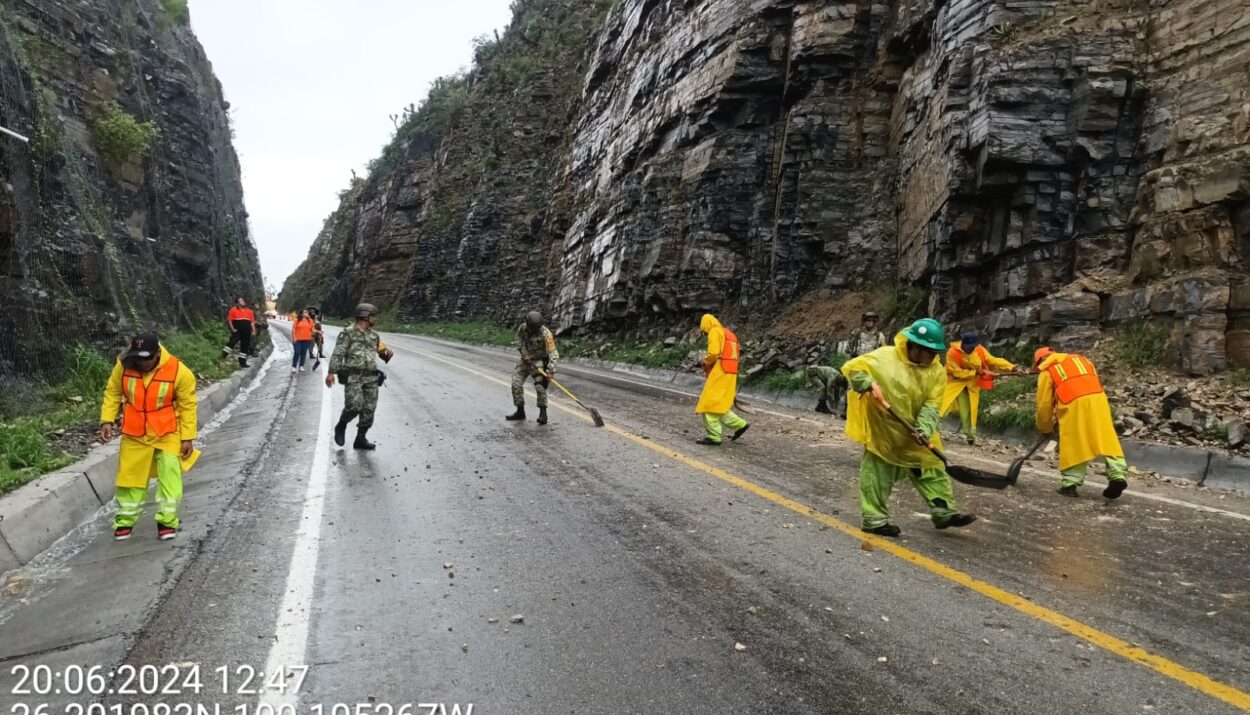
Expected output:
(927, 333)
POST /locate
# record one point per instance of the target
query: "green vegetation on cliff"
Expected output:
(120, 137)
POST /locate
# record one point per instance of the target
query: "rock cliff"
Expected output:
(125, 210)
(1045, 169)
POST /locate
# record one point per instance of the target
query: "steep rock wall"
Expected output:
(1046, 169)
(90, 248)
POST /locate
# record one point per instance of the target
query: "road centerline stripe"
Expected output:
(1192, 678)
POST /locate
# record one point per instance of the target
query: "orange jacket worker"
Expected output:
(155, 393)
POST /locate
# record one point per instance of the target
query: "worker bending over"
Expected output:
(1070, 395)
(906, 378)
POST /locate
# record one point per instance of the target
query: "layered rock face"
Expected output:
(94, 246)
(1048, 170)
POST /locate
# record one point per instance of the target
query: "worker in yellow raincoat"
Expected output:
(721, 367)
(1070, 395)
(907, 378)
(970, 369)
(155, 392)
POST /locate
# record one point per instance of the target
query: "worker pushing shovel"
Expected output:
(895, 416)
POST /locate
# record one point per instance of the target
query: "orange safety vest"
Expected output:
(729, 354)
(984, 382)
(1074, 377)
(152, 404)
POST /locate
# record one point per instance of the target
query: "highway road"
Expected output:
(567, 569)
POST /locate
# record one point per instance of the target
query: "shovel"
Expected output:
(594, 414)
(960, 473)
(1013, 472)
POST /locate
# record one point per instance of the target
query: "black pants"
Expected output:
(242, 336)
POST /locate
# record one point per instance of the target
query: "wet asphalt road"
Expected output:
(647, 584)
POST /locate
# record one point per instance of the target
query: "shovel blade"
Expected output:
(1013, 472)
(594, 415)
(977, 477)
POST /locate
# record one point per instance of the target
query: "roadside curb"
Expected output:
(34, 516)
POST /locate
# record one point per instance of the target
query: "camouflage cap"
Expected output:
(365, 310)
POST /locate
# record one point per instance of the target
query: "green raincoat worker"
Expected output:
(909, 378)
(721, 367)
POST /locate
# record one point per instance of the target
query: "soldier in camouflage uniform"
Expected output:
(831, 382)
(354, 361)
(538, 350)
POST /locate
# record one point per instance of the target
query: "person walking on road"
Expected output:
(721, 367)
(241, 322)
(155, 393)
(830, 381)
(1070, 396)
(302, 337)
(354, 361)
(319, 336)
(908, 379)
(537, 345)
(970, 369)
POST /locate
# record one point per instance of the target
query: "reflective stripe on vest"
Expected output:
(729, 354)
(150, 405)
(1074, 377)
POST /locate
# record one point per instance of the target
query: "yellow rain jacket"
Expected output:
(1086, 429)
(968, 378)
(915, 393)
(137, 462)
(721, 387)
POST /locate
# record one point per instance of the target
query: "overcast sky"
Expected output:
(312, 84)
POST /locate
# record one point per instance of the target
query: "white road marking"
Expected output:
(294, 615)
(759, 410)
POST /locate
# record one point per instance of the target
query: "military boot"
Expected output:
(361, 442)
(542, 415)
(823, 407)
(340, 432)
(518, 415)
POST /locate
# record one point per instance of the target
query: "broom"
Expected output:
(594, 414)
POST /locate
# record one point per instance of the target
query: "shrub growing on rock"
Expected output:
(120, 137)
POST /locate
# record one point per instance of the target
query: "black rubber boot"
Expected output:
(823, 407)
(707, 442)
(518, 415)
(361, 442)
(739, 433)
(957, 521)
(340, 432)
(542, 415)
(1115, 488)
(884, 530)
(1070, 490)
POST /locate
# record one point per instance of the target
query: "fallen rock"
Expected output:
(1236, 433)
(517, 619)
(1174, 399)
(1183, 417)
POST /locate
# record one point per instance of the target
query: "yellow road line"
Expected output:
(1106, 641)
